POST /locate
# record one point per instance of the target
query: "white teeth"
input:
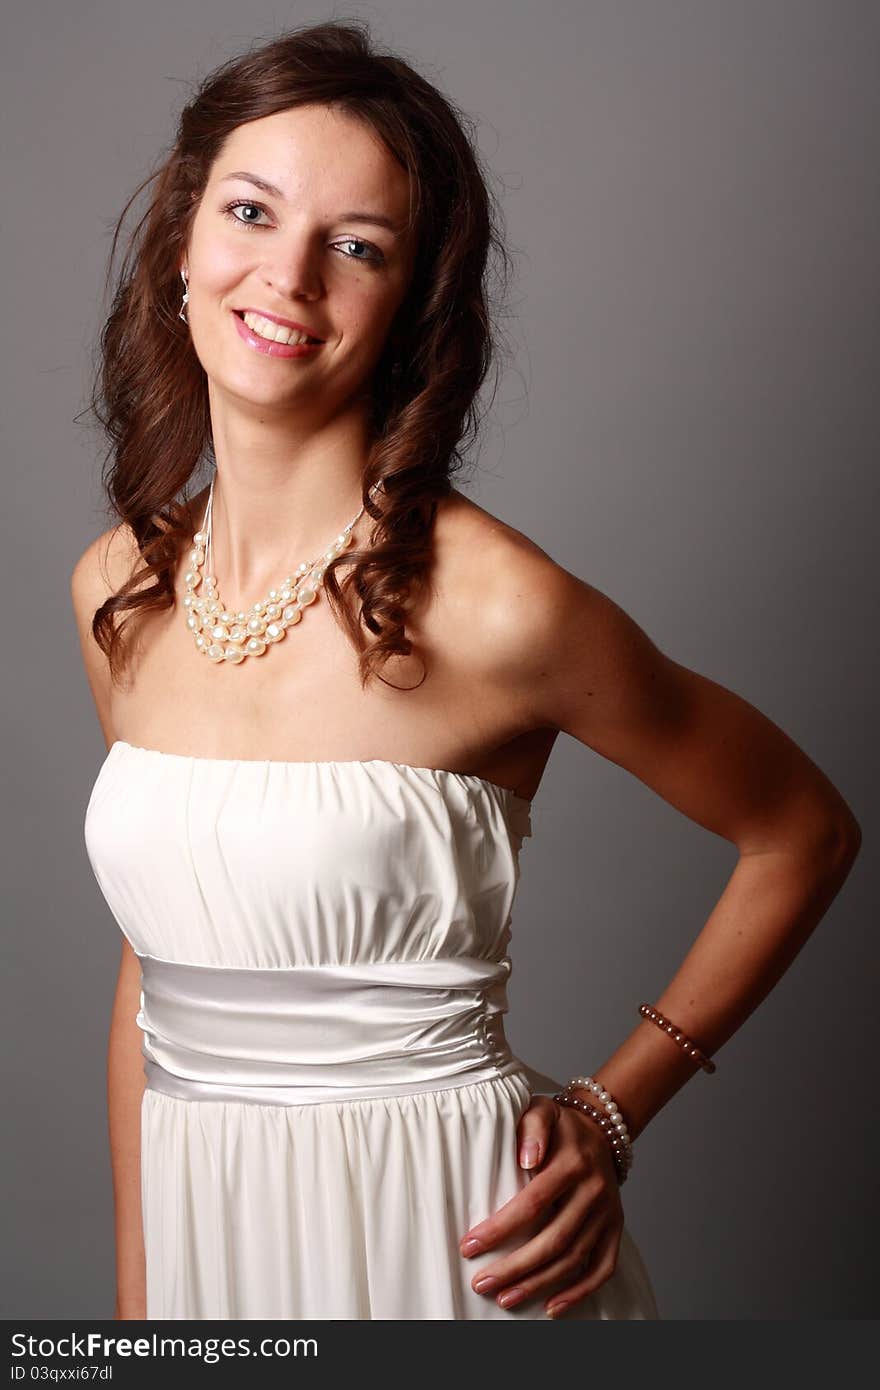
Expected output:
(274, 332)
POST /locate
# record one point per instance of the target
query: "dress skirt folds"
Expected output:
(331, 1101)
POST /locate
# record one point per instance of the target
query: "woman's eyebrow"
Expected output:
(376, 218)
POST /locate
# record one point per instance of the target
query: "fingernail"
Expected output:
(486, 1282)
(556, 1308)
(471, 1247)
(528, 1154)
(511, 1296)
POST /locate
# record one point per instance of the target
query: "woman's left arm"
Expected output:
(592, 672)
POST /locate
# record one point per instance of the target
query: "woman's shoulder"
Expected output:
(103, 566)
(495, 584)
(463, 528)
(99, 572)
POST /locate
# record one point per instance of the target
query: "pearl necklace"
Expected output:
(226, 637)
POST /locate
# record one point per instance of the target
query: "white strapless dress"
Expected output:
(331, 1102)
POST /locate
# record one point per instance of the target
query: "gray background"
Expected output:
(690, 425)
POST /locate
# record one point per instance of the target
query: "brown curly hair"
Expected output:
(150, 391)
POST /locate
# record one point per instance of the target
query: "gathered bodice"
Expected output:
(266, 864)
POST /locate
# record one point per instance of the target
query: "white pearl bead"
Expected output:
(248, 634)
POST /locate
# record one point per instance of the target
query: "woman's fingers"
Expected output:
(575, 1157)
(559, 1275)
(534, 1130)
(562, 1233)
(534, 1201)
(599, 1266)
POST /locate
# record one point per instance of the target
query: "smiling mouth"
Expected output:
(283, 341)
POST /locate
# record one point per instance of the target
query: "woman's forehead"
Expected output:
(308, 147)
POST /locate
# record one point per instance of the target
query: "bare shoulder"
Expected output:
(103, 566)
(476, 548)
(511, 589)
(100, 571)
(561, 647)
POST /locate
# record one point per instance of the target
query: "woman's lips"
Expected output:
(268, 348)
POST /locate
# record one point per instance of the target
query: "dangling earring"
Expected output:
(185, 300)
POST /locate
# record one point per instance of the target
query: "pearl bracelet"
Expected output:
(609, 1118)
(623, 1157)
(684, 1042)
(606, 1101)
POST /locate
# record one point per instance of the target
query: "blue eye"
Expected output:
(229, 211)
(375, 256)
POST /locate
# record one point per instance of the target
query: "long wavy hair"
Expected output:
(150, 390)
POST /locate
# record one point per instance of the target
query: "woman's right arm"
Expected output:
(100, 570)
(125, 1089)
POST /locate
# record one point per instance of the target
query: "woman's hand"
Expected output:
(578, 1193)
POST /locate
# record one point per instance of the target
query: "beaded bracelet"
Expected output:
(684, 1042)
(611, 1119)
(606, 1102)
(622, 1159)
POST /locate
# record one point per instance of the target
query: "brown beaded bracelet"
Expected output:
(655, 1016)
(621, 1162)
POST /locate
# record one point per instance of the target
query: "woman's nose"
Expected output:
(295, 273)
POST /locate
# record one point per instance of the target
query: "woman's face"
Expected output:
(314, 249)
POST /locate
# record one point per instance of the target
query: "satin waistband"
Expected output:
(322, 1033)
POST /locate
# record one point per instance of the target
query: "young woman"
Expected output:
(329, 685)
